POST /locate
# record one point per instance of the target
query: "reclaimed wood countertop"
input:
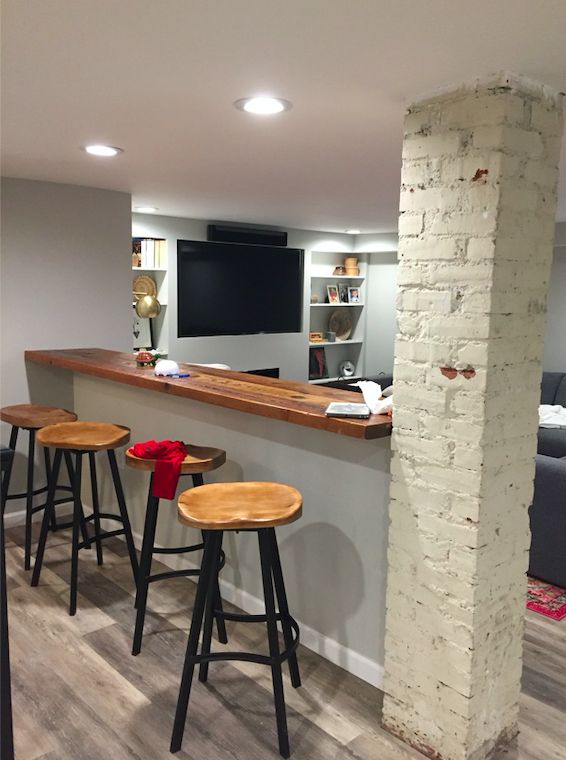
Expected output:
(288, 400)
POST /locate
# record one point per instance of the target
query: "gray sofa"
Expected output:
(547, 558)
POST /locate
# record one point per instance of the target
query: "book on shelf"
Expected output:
(152, 253)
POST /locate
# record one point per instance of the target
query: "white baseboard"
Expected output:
(355, 663)
(12, 519)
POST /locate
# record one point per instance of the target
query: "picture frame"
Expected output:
(343, 292)
(317, 364)
(354, 295)
(333, 295)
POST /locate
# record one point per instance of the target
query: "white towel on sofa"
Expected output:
(552, 416)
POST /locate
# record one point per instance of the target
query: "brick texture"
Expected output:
(476, 229)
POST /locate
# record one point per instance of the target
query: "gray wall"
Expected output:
(288, 351)
(65, 282)
(555, 337)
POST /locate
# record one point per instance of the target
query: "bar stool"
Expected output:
(199, 459)
(33, 417)
(258, 507)
(6, 731)
(83, 438)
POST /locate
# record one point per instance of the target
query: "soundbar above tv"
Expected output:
(238, 289)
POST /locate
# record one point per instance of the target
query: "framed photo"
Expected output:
(333, 296)
(317, 364)
(316, 337)
(354, 295)
(343, 292)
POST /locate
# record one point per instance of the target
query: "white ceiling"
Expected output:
(158, 78)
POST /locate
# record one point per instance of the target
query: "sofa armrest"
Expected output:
(548, 521)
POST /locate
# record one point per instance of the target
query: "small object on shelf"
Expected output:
(136, 260)
(340, 322)
(330, 336)
(314, 298)
(316, 337)
(350, 262)
(343, 292)
(339, 271)
(346, 369)
(354, 272)
(339, 409)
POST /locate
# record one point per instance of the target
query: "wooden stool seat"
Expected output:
(199, 459)
(35, 416)
(84, 436)
(240, 506)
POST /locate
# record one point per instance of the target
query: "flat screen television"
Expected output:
(238, 289)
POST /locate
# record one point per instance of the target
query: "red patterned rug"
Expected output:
(546, 599)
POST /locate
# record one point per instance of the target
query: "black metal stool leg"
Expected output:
(49, 508)
(206, 577)
(220, 623)
(211, 598)
(77, 522)
(71, 473)
(6, 731)
(47, 457)
(8, 471)
(145, 566)
(29, 499)
(274, 653)
(283, 608)
(95, 505)
(124, 513)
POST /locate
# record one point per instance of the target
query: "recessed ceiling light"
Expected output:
(353, 232)
(146, 209)
(103, 150)
(263, 105)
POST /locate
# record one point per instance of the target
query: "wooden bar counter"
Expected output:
(295, 402)
(334, 557)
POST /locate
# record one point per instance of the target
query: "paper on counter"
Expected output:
(371, 392)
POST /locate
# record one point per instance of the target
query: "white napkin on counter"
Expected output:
(372, 396)
(552, 416)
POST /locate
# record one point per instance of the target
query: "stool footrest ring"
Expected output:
(37, 492)
(178, 549)
(171, 574)
(262, 659)
(101, 536)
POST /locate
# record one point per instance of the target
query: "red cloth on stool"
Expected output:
(168, 457)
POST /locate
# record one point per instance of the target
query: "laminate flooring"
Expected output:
(78, 694)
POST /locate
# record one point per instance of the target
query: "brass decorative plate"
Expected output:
(341, 323)
(144, 285)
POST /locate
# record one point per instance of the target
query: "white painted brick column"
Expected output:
(476, 230)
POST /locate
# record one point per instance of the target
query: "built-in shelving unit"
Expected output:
(323, 264)
(154, 251)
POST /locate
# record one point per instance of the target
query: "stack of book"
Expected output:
(151, 254)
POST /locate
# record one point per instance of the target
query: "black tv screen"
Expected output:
(238, 289)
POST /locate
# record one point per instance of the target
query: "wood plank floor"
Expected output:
(80, 695)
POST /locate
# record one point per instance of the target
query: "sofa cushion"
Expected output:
(552, 442)
(560, 397)
(549, 386)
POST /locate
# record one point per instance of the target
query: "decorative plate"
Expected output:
(341, 323)
(144, 285)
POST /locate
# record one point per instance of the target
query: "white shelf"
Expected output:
(148, 269)
(335, 343)
(337, 305)
(337, 277)
(334, 379)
